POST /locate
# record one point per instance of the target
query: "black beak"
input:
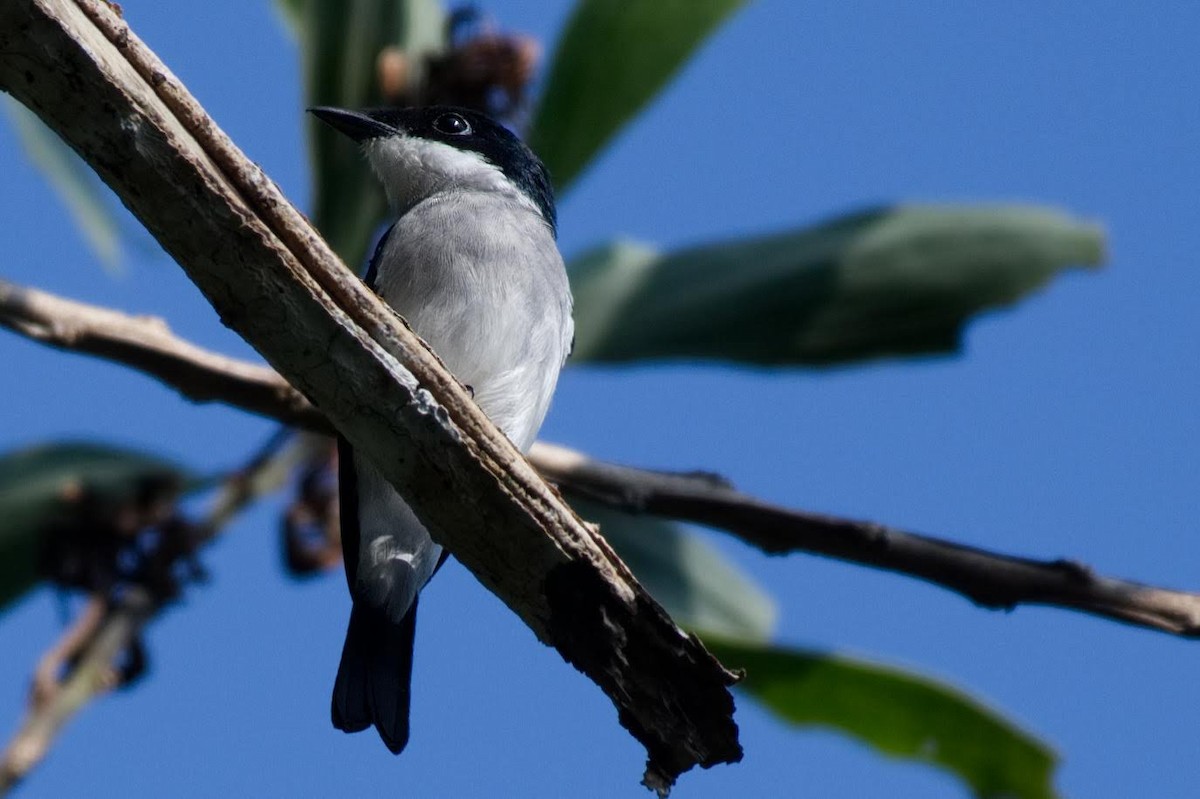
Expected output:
(355, 124)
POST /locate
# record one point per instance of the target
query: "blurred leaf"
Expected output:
(886, 282)
(32, 485)
(612, 58)
(341, 43)
(85, 195)
(696, 584)
(900, 714)
(292, 13)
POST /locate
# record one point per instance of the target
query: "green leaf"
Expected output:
(692, 581)
(85, 195)
(341, 43)
(611, 60)
(32, 486)
(892, 281)
(897, 713)
(292, 14)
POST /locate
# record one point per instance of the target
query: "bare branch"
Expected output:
(68, 648)
(268, 273)
(989, 579)
(91, 677)
(103, 631)
(147, 344)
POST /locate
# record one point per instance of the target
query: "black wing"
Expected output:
(347, 478)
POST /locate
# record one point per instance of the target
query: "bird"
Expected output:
(472, 263)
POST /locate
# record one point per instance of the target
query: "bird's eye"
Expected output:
(452, 125)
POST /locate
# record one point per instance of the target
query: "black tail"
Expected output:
(374, 678)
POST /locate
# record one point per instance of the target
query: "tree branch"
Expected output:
(989, 579)
(147, 344)
(91, 677)
(271, 277)
(106, 629)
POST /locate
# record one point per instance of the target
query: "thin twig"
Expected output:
(105, 630)
(147, 342)
(47, 677)
(987, 578)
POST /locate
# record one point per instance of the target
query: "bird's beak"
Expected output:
(357, 125)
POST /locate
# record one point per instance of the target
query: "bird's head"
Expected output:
(420, 152)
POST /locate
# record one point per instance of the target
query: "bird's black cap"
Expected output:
(461, 128)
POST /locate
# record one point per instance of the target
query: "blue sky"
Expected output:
(1067, 427)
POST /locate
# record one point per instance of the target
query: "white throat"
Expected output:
(413, 169)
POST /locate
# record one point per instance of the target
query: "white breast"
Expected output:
(481, 279)
(478, 276)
